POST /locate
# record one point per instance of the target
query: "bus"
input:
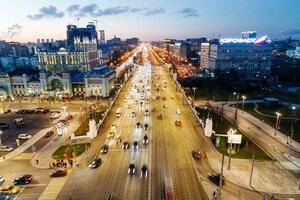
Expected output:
(169, 193)
(118, 112)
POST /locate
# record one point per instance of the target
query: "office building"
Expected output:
(75, 33)
(101, 37)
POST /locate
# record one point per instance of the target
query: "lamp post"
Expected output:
(236, 108)
(277, 119)
(243, 97)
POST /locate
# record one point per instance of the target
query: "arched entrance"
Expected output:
(56, 84)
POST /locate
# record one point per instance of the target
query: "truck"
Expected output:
(118, 112)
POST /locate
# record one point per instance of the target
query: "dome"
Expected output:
(62, 50)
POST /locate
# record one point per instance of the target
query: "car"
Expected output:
(2, 179)
(133, 114)
(104, 149)
(6, 111)
(3, 125)
(22, 180)
(69, 117)
(128, 106)
(10, 189)
(216, 179)
(178, 111)
(125, 145)
(138, 125)
(111, 197)
(145, 139)
(157, 97)
(178, 122)
(62, 123)
(147, 113)
(95, 163)
(58, 172)
(135, 145)
(196, 154)
(131, 168)
(4, 197)
(146, 127)
(164, 98)
(125, 99)
(144, 171)
(37, 111)
(147, 101)
(20, 124)
(136, 102)
(172, 97)
(19, 111)
(24, 136)
(18, 120)
(49, 133)
(165, 105)
(111, 134)
(6, 148)
(55, 115)
(46, 111)
(114, 126)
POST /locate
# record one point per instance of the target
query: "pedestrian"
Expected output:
(53, 164)
(37, 161)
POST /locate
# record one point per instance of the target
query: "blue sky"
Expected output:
(150, 20)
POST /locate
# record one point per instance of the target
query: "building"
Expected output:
(27, 82)
(81, 34)
(101, 37)
(245, 59)
(132, 41)
(114, 41)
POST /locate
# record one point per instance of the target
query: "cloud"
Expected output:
(189, 12)
(112, 11)
(46, 12)
(294, 31)
(73, 8)
(154, 11)
(12, 31)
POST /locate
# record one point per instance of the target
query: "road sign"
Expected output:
(234, 139)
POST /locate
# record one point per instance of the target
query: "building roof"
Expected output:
(100, 73)
(77, 76)
(21, 71)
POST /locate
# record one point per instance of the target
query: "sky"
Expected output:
(149, 20)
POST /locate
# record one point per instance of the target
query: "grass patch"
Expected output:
(284, 124)
(79, 149)
(84, 127)
(247, 148)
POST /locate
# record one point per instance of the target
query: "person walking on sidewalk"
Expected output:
(37, 161)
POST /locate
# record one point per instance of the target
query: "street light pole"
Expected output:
(243, 97)
(277, 119)
(236, 109)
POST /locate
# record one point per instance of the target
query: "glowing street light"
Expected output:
(243, 97)
(277, 119)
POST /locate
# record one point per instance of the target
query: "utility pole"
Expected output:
(221, 178)
(251, 172)
(236, 110)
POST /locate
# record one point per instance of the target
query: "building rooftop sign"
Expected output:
(261, 40)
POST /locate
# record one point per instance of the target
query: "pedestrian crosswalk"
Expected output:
(54, 187)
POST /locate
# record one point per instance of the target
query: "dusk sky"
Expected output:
(150, 20)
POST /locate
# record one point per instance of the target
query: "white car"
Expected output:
(1, 179)
(55, 115)
(24, 136)
(113, 127)
(178, 112)
(18, 120)
(6, 148)
(125, 99)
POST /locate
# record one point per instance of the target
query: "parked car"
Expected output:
(6, 148)
(58, 172)
(3, 125)
(24, 136)
(95, 163)
(7, 111)
(22, 180)
(104, 149)
(10, 189)
(216, 179)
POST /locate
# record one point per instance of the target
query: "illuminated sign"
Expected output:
(261, 40)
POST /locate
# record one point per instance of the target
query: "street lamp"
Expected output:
(243, 97)
(236, 108)
(277, 119)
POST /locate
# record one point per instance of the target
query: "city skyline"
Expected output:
(150, 20)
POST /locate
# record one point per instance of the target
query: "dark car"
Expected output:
(58, 172)
(135, 145)
(215, 179)
(22, 180)
(49, 133)
(146, 127)
(138, 125)
(131, 168)
(30, 111)
(196, 154)
(46, 111)
(38, 111)
(145, 139)
(7, 111)
(104, 149)
(95, 163)
(3, 125)
(125, 145)
(144, 171)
